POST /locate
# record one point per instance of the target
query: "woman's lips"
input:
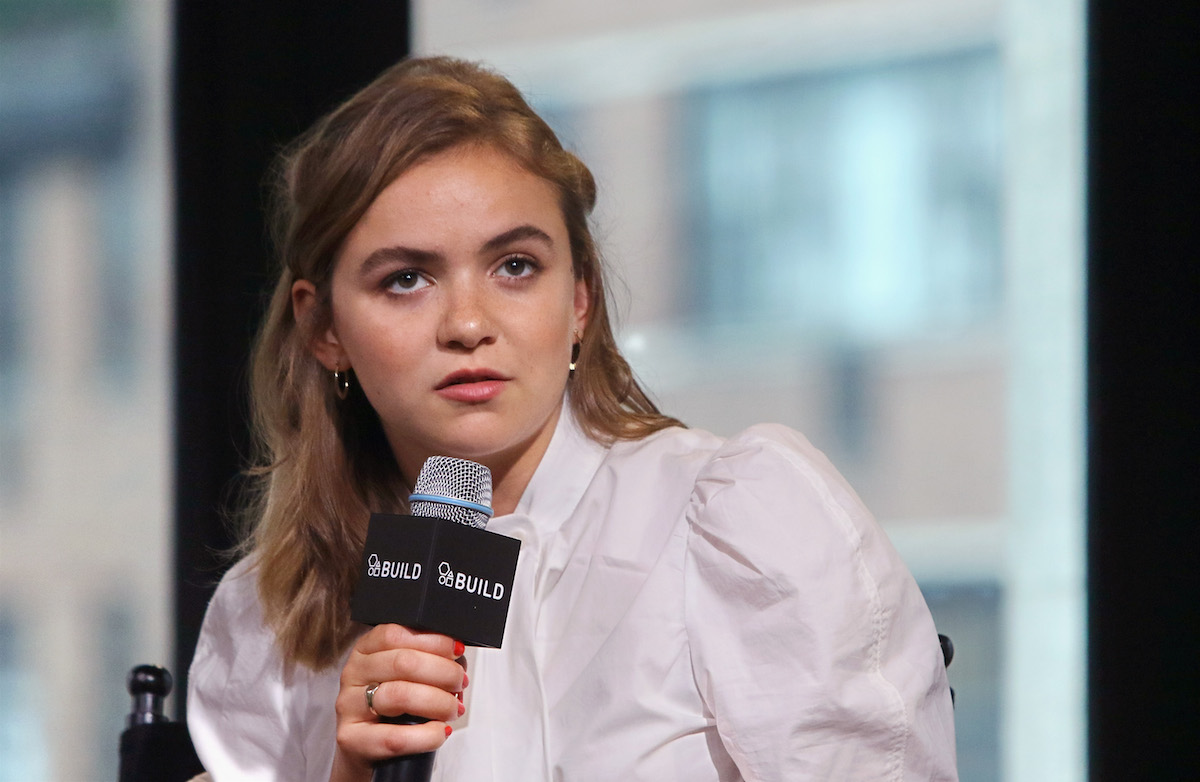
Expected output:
(479, 391)
(471, 386)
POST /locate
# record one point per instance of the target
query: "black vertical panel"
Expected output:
(1143, 389)
(248, 77)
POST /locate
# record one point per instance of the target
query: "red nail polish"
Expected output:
(449, 730)
(461, 709)
(466, 681)
(459, 648)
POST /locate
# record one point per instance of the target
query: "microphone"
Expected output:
(454, 489)
(438, 570)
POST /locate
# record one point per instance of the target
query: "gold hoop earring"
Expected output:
(341, 382)
(574, 354)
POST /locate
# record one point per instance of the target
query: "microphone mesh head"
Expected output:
(456, 479)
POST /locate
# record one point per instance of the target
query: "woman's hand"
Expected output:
(418, 674)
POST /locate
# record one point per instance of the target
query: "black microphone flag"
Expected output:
(437, 575)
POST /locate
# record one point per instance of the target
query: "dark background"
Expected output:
(250, 76)
(1143, 389)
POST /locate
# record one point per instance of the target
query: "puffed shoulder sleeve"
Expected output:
(244, 709)
(811, 643)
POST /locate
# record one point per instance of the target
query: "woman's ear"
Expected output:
(324, 344)
(583, 305)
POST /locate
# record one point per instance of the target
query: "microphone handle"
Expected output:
(406, 768)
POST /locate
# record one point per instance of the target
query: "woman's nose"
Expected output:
(465, 320)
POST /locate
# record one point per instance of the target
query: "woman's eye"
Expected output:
(516, 266)
(406, 281)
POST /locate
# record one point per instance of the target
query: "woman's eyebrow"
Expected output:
(397, 254)
(411, 255)
(515, 235)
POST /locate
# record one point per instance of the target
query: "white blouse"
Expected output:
(685, 608)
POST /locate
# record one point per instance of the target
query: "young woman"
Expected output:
(686, 607)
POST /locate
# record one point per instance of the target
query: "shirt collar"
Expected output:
(558, 483)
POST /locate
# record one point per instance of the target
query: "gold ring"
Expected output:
(371, 688)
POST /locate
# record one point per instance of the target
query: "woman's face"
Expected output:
(455, 303)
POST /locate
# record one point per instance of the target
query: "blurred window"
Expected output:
(863, 219)
(859, 203)
(84, 376)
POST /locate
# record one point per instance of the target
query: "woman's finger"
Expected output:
(403, 665)
(391, 636)
(393, 698)
(377, 741)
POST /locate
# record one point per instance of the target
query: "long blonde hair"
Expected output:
(323, 464)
